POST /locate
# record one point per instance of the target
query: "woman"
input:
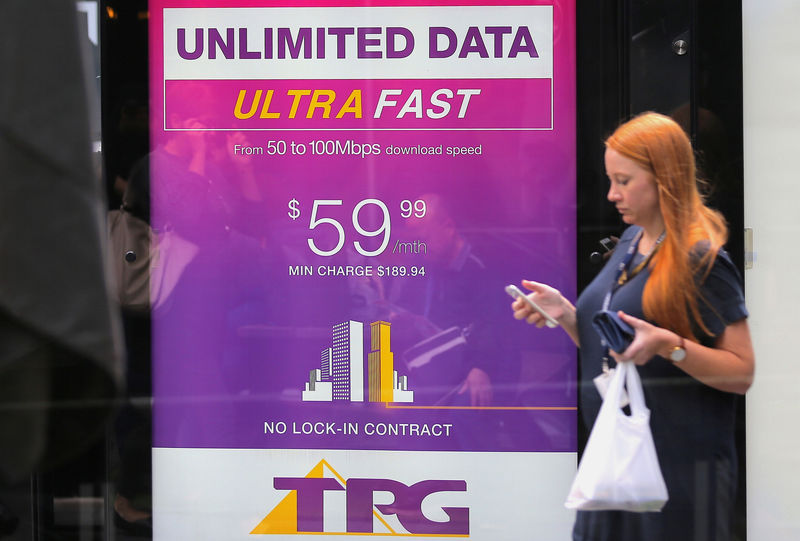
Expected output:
(683, 296)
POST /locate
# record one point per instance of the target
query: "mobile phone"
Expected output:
(608, 244)
(516, 293)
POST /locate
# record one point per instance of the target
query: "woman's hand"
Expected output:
(728, 366)
(549, 298)
(648, 342)
(479, 386)
(551, 301)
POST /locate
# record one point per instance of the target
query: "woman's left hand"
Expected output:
(648, 341)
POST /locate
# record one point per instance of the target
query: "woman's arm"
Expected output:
(728, 366)
(553, 302)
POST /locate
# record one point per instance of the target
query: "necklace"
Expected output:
(624, 275)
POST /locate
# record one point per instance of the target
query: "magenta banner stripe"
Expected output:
(347, 104)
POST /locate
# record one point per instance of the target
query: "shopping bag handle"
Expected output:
(635, 392)
(626, 374)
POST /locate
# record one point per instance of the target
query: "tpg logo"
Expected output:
(303, 509)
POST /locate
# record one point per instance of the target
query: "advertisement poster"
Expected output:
(340, 192)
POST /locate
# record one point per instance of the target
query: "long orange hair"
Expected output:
(658, 144)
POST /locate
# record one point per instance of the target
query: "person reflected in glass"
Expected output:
(444, 329)
(683, 297)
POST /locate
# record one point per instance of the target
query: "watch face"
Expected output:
(677, 355)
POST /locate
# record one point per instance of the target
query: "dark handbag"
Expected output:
(146, 266)
(616, 334)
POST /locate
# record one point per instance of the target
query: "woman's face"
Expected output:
(633, 190)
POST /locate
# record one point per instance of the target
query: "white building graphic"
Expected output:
(341, 375)
(319, 387)
(401, 392)
(341, 372)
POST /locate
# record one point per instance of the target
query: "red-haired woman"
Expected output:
(683, 296)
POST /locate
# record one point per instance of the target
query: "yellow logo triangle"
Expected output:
(283, 517)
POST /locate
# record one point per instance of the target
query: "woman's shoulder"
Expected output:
(708, 260)
(700, 249)
(721, 292)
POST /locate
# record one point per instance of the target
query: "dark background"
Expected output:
(627, 64)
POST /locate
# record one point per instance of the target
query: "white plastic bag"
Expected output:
(619, 469)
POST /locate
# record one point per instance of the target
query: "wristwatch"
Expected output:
(678, 353)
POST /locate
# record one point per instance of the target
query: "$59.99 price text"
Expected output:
(380, 228)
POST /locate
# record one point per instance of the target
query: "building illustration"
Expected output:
(347, 365)
(340, 376)
(319, 387)
(384, 383)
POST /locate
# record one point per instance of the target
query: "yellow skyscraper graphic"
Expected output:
(384, 383)
(381, 362)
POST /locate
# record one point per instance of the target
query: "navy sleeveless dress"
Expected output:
(692, 424)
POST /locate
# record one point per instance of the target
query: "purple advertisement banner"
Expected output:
(339, 195)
